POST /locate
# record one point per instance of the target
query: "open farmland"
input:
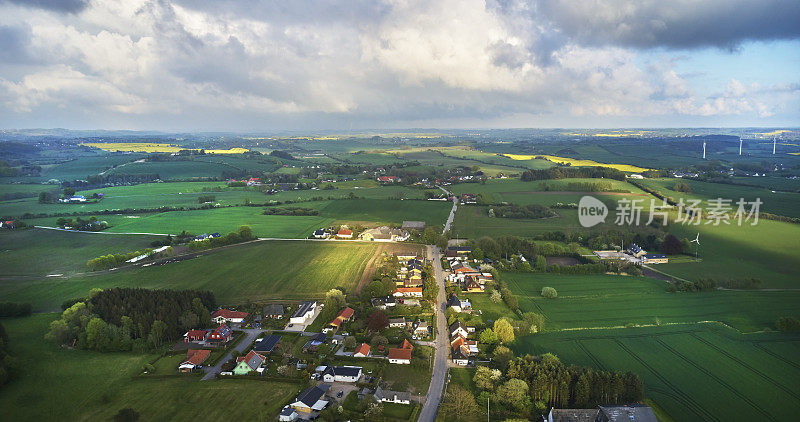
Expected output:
(39, 252)
(153, 147)
(584, 301)
(89, 385)
(780, 203)
(261, 270)
(577, 163)
(693, 372)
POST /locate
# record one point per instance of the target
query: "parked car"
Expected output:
(339, 394)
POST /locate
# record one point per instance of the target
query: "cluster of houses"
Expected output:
(409, 278)
(646, 258)
(389, 179)
(75, 199)
(253, 181)
(377, 234)
(462, 274)
(462, 349)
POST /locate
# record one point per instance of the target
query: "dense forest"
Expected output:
(125, 318)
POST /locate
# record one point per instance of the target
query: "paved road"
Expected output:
(252, 334)
(452, 211)
(436, 388)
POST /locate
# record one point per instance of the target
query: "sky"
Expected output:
(250, 65)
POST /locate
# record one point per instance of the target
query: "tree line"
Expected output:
(562, 172)
(521, 211)
(122, 319)
(14, 309)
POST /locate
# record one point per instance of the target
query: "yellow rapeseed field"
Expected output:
(578, 163)
(154, 147)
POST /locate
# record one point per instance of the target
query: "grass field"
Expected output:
(781, 203)
(80, 385)
(41, 252)
(256, 271)
(701, 372)
(153, 147)
(593, 301)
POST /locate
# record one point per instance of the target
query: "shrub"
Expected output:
(549, 293)
(787, 324)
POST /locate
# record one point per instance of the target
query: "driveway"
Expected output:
(434, 397)
(452, 211)
(252, 334)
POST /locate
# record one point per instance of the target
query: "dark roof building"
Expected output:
(303, 308)
(267, 344)
(626, 413)
(311, 395)
(274, 310)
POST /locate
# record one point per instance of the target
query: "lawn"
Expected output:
(42, 252)
(592, 301)
(693, 372)
(86, 385)
(252, 272)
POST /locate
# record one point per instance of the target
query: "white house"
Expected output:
(457, 328)
(341, 374)
(397, 322)
(224, 316)
(460, 305)
(388, 396)
(303, 313)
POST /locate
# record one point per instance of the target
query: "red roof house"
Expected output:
(195, 335)
(222, 334)
(221, 316)
(194, 358)
(343, 315)
(362, 351)
(345, 233)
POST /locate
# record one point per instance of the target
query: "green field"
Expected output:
(780, 203)
(256, 271)
(769, 251)
(63, 384)
(592, 301)
(473, 221)
(693, 372)
(39, 252)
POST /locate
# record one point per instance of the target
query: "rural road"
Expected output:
(452, 211)
(252, 334)
(435, 390)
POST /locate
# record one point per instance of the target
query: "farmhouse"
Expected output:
(408, 291)
(636, 251)
(384, 234)
(388, 179)
(267, 344)
(222, 316)
(194, 358)
(73, 199)
(344, 234)
(626, 413)
(362, 351)
(310, 401)
(222, 334)
(195, 336)
(653, 258)
(321, 234)
(303, 313)
(341, 374)
(274, 311)
(402, 354)
(251, 362)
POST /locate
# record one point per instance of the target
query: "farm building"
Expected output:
(388, 179)
(654, 258)
(344, 234)
(413, 225)
(321, 234)
(384, 234)
(636, 251)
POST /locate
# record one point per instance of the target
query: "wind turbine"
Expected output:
(697, 241)
(740, 146)
(704, 150)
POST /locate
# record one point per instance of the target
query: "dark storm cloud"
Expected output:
(676, 24)
(13, 44)
(63, 6)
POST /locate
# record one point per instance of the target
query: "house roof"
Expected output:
(397, 321)
(344, 371)
(654, 256)
(196, 333)
(311, 395)
(274, 309)
(267, 343)
(400, 354)
(408, 290)
(228, 314)
(252, 359)
(380, 394)
(319, 232)
(196, 356)
(345, 232)
(363, 349)
(343, 315)
(456, 325)
(222, 331)
(573, 415)
(627, 413)
(406, 345)
(303, 308)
